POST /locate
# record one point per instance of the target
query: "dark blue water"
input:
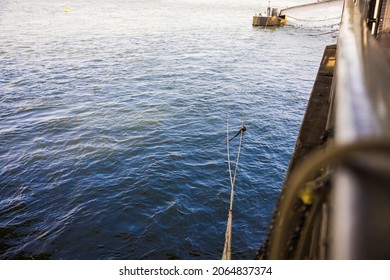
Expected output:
(113, 125)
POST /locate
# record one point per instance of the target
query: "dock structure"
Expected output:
(272, 18)
(265, 21)
(315, 129)
(335, 200)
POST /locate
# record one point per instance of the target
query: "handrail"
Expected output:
(362, 78)
(361, 194)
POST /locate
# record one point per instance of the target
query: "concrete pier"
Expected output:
(314, 131)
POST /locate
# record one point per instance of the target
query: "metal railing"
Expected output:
(359, 221)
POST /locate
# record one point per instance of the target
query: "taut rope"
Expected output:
(228, 235)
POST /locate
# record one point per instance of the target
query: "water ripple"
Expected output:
(112, 135)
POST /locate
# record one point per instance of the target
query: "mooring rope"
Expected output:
(226, 255)
(313, 20)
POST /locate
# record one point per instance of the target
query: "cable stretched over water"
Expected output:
(226, 255)
(313, 20)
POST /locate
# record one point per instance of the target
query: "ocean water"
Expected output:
(113, 119)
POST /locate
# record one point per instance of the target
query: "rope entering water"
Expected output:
(226, 255)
